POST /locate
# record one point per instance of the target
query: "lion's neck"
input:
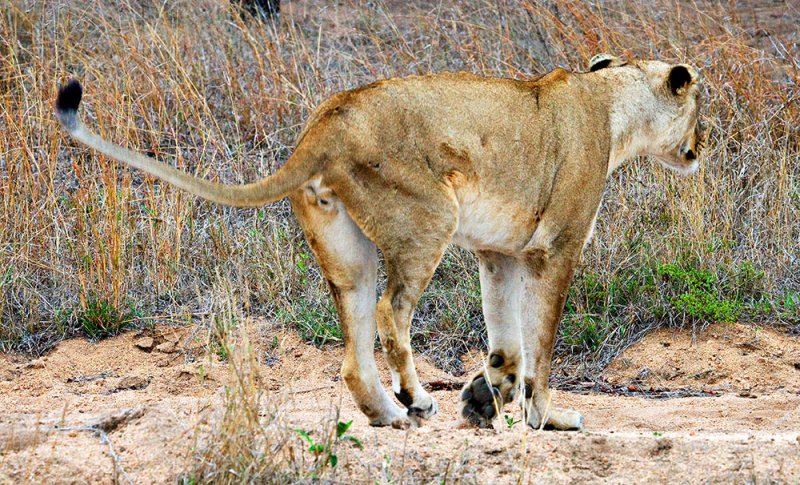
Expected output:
(628, 125)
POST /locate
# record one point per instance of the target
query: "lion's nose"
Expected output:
(687, 153)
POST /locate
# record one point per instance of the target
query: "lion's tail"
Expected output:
(298, 169)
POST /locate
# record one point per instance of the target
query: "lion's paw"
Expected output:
(424, 411)
(480, 402)
(402, 422)
(396, 418)
(559, 419)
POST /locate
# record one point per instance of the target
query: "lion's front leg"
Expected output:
(497, 383)
(546, 282)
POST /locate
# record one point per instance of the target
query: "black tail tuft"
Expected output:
(69, 97)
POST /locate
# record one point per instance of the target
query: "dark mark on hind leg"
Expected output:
(404, 397)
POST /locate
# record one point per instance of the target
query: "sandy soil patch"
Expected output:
(724, 357)
(151, 399)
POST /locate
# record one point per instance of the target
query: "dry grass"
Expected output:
(195, 84)
(253, 436)
(251, 439)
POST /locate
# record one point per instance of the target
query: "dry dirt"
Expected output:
(726, 358)
(152, 398)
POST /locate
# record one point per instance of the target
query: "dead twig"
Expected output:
(599, 387)
(595, 387)
(101, 429)
(91, 377)
(443, 385)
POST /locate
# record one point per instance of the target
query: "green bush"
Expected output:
(607, 310)
(696, 293)
(316, 321)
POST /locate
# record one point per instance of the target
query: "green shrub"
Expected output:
(602, 309)
(696, 293)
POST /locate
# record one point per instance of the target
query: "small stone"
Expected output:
(144, 343)
(132, 383)
(166, 347)
(7, 375)
(35, 364)
(662, 446)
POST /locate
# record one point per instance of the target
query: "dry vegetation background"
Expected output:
(86, 246)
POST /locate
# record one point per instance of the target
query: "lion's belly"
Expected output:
(486, 224)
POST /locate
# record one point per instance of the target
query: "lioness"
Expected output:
(512, 170)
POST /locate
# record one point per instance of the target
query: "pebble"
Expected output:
(166, 347)
(144, 343)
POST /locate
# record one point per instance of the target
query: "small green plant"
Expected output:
(698, 294)
(749, 281)
(510, 421)
(219, 339)
(316, 321)
(341, 429)
(99, 318)
(62, 319)
(789, 304)
(326, 449)
(657, 434)
(303, 259)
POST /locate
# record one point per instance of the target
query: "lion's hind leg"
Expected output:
(349, 262)
(412, 250)
(408, 273)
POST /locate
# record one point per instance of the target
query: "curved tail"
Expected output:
(297, 170)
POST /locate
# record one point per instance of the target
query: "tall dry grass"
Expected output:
(253, 436)
(197, 85)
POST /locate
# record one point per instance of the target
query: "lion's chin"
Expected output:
(681, 168)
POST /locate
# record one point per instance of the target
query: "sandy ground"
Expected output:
(151, 399)
(727, 358)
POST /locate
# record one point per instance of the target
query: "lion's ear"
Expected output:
(681, 77)
(601, 61)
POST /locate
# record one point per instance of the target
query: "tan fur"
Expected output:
(511, 169)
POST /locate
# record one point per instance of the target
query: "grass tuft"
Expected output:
(250, 439)
(99, 318)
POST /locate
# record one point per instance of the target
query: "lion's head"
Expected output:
(659, 107)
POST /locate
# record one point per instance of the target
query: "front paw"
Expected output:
(480, 402)
(557, 419)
